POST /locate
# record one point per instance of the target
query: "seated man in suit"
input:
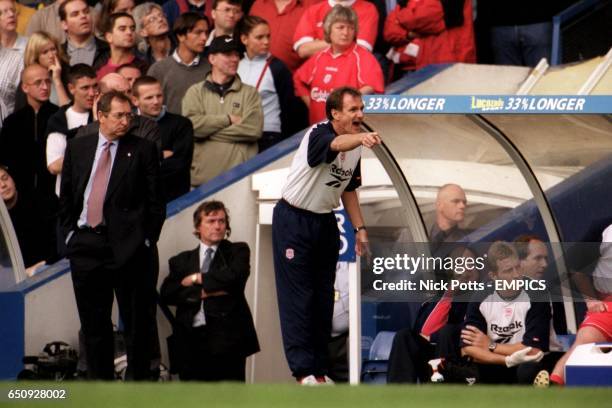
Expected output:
(214, 328)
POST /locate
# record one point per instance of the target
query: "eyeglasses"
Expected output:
(39, 82)
(230, 10)
(9, 11)
(120, 115)
(153, 18)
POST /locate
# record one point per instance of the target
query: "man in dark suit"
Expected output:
(111, 214)
(214, 328)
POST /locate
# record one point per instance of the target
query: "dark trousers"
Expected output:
(95, 278)
(306, 248)
(410, 353)
(521, 374)
(521, 45)
(498, 374)
(198, 364)
(338, 358)
(152, 329)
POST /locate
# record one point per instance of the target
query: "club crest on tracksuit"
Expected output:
(289, 253)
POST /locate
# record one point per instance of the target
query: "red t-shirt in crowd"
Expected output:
(109, 67)
(323, 72)
(282, 24)
(310, 26)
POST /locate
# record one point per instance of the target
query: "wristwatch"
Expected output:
(359, 228)
(492, 346)
(194, 278)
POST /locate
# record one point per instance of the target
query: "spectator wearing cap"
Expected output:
(185, 66)
(227, 115)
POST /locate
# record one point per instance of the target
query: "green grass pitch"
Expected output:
(181, 395)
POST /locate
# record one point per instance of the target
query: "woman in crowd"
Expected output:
(9, 37)
(284, 114)
(343, 63)
(44, 50)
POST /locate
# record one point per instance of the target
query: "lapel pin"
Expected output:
(129, 154)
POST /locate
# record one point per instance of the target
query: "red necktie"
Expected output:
(95, 202)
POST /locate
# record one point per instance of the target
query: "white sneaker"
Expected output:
(436, 377)
(326, 380)
(309, 380)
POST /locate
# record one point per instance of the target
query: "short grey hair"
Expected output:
(339, 13)
(139, 13)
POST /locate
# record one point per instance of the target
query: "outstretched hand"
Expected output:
(370, 139)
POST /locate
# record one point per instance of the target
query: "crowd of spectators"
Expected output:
(402, 36)
(384, 41)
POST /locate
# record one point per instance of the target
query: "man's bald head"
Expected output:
(31, 71)
(36, 84)
(450, 206)
(114, 82)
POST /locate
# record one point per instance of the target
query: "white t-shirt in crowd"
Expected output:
(56, 142)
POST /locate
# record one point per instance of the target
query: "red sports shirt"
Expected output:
(324, 72)
(310, 26)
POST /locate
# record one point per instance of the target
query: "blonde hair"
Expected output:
(36, 43)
